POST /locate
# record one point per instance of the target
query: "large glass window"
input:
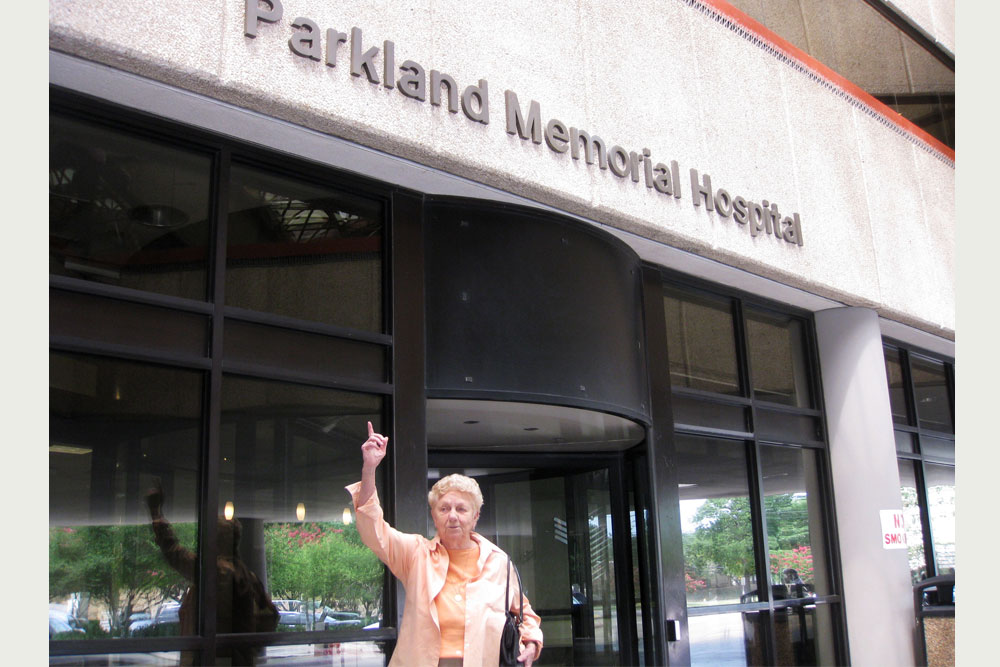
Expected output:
(719, 563)
(126, 210)
(940, 481)
(304, 250)
(777, 358)
(912, 519)
(749, 457)
(897, 387)
(701, 342)
(287, 453)
(931, 395)
(925, 445)
(116, 430)
(173, 395)
(792, 512)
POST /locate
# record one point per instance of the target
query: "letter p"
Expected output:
(755, 216)
(255, 14)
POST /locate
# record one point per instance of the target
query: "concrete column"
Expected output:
(877, 592)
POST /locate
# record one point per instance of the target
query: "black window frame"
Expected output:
(752, 441)
(223, 152)
(918, 458)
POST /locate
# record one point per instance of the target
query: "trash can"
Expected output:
(934, 606)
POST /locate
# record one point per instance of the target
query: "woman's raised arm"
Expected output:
(372, 453)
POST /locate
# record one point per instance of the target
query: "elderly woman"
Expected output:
(455, 607)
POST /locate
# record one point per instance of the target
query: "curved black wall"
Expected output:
(525, 305)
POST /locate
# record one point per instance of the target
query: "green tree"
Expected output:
(723, 540)
(116, 565)
(323, 563)
(787, 517)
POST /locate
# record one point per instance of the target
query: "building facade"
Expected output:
(671, 280)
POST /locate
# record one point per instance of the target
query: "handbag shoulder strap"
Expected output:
(506, 590)
(520, 590)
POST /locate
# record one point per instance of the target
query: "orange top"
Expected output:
(462, 566)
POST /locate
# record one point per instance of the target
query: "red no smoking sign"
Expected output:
(893, 529)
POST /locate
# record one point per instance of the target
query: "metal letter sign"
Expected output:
(761, 219)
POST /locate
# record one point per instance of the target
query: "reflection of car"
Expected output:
(289, 613)
(333, 619)
(293, 613)
(61, 623)
(138, 622)
(165, 623)
(169, 612)
(286, 617)
(141, 627)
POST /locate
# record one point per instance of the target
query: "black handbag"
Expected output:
(510, 640)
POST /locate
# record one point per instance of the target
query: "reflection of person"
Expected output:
(454, 613)
(242, 604)
(796, 587)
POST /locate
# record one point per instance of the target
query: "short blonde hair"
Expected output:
(459, 483)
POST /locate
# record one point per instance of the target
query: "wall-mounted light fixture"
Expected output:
(348, 517)
(229, 510)
(300, 511)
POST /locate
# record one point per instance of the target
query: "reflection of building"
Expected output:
(530, 243)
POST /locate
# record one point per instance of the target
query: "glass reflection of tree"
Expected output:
(118, 566)
(325, 565)
(787, 517)
(723, 541)
(914, 533)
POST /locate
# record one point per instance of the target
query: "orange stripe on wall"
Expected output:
(849, 87)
